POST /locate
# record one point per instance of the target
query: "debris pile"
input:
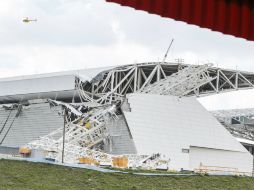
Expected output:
(239, 122)
(81, 139)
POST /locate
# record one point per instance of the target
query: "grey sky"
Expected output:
(76, 34)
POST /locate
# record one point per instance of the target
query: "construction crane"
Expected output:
(27, 20)
(166, 54)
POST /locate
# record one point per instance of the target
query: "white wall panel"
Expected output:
(220, 158)
(34, 121)
(167, 124)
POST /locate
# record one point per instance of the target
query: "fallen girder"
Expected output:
(81, 138)
(85, 130)
(181, 83)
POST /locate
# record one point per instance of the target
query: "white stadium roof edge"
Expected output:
(48, 85)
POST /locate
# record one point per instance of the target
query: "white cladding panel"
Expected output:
(220, 158)
(37, 85)
(34, 121)
(167, 124)
(83, 74)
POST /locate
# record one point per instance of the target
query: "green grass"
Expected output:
(137, 170)
(17, 175)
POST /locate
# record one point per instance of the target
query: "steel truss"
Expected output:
(120, 81)
(85, 131)
(180, 83)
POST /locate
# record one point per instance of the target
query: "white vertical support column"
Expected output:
(120, 78)
(73, 97)
(158, 72)
(135, 79)
(92, 90)
(236, 79)
(139, 78)
(116, 78)
(217, 81)
(112, 86)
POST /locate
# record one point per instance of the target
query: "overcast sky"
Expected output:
(78, 34)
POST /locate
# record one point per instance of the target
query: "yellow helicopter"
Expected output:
(27, 20)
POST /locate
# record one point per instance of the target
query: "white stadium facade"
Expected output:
(147, 115)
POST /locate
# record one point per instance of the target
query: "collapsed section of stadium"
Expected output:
(143, 115)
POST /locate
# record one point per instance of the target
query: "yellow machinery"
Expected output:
(88, 125)
(24, 151)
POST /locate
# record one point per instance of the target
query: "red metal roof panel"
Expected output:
(234, 17)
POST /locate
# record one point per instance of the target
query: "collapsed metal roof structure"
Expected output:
(90, 100)
(112, 83)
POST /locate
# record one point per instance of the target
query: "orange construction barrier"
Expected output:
(88, 160)
(121, 162)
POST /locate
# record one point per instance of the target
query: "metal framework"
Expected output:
(181, 83)
(148, 77)
(82, 131)
(83, 134)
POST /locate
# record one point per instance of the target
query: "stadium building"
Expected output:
(142, 115)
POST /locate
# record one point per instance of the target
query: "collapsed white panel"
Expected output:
(167, 124)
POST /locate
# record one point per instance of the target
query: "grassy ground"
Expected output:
(17, 175)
